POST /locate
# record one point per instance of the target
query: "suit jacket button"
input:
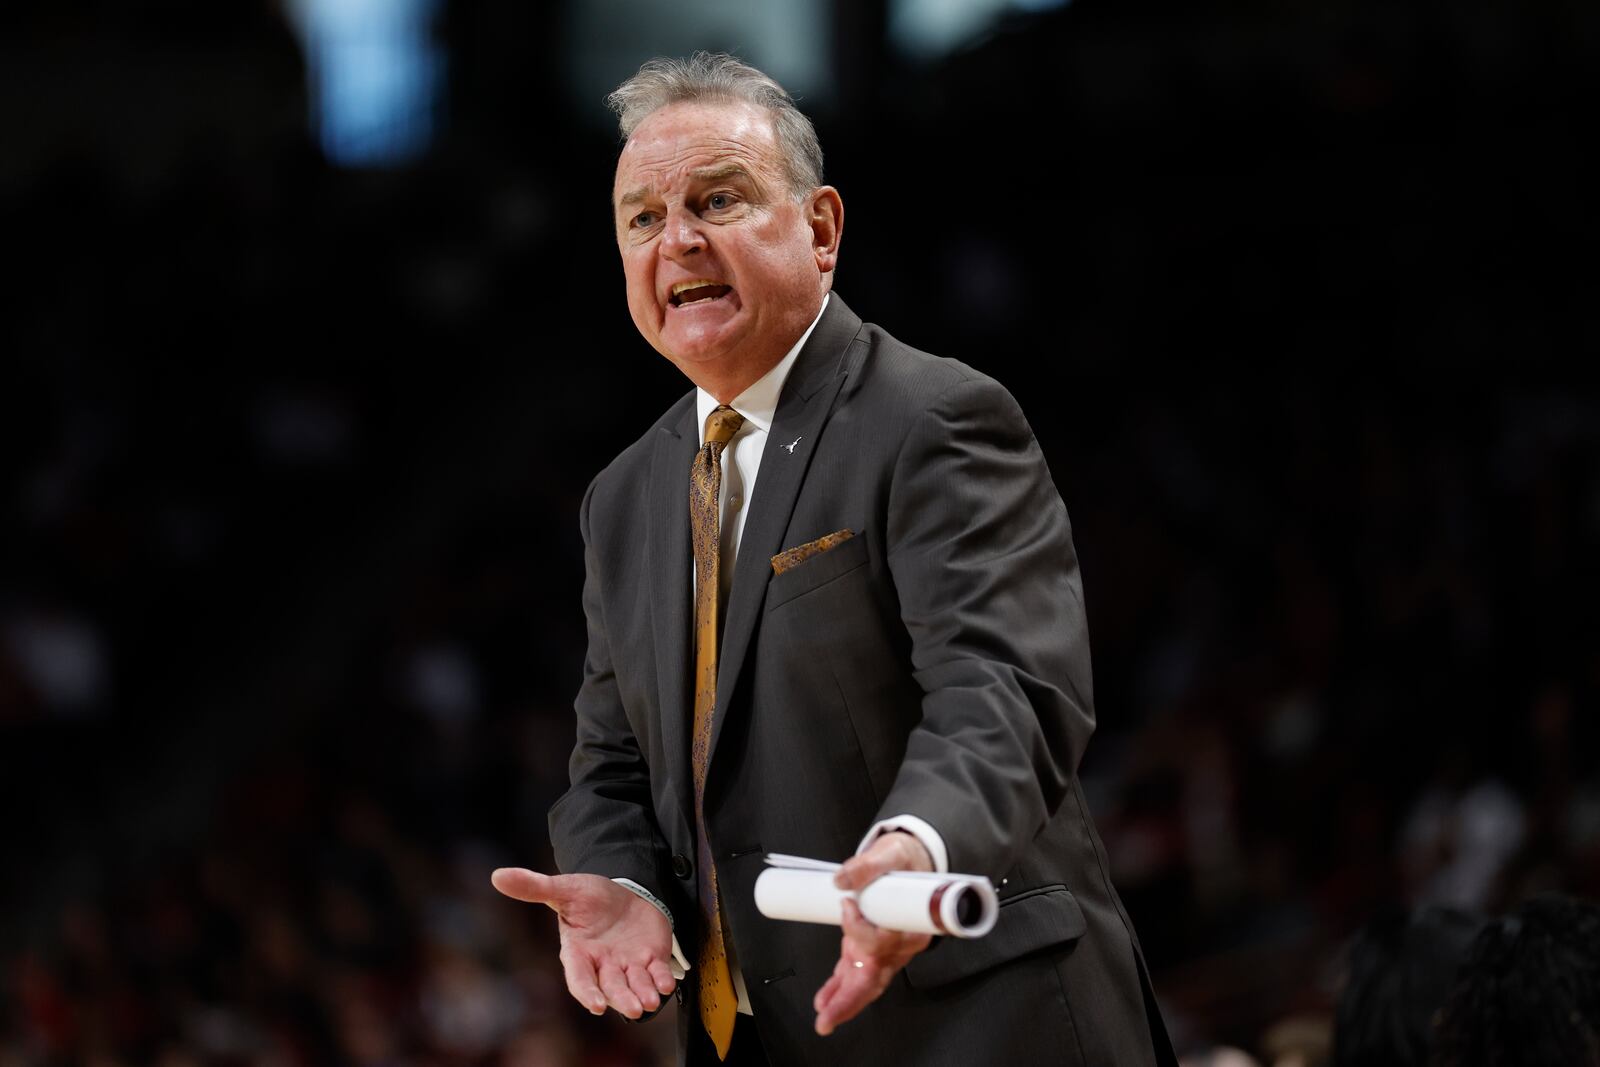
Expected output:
(680, 865)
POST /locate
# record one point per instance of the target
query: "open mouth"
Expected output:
(697, 292)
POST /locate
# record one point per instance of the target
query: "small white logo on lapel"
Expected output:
(789, 448)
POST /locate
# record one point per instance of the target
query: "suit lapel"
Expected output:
(803, 409)
(670, 566)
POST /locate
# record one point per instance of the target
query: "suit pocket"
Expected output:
(1032, 920)
(817, 571)
(791, 558)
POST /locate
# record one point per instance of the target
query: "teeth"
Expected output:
(696, 284)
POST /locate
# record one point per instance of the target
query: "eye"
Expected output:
(643, 220)
(719, 201)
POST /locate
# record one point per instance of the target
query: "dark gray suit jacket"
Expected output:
(936, 663)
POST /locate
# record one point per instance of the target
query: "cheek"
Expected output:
(786, 250)
(641, 285)
(786, 267)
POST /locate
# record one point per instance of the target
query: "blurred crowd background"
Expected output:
(310, 309)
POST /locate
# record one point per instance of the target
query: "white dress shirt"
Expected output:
(759, 404)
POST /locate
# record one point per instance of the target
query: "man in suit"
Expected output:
(833, 609)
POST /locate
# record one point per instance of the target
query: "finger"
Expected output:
(519, 883)
(858, 872)
(853, 923)
(859, 987)
(892, 851)
(581, 983)
(824, 997)
(837, 1000)
(643, 987)
(889, 948)
(614, 984)
(829, 988)
(861, 937)
(661, 975)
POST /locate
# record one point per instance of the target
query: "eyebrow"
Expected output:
(717, 174)
(703, 176)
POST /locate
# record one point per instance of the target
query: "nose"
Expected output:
(681, 235)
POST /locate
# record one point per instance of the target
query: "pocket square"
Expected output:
(793, 557)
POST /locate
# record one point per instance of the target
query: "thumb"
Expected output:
(895, 850)
(520, 883)
(858, 872)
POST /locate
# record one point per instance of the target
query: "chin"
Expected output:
(697, 348)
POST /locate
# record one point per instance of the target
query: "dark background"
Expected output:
(291, 453)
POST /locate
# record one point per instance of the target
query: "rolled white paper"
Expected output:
(957, 905)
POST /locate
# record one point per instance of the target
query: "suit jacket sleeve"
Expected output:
(605, 823)
(980, 549)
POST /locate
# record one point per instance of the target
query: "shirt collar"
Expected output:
(759, 403)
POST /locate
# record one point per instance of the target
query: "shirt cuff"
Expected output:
(917, 828)
(679, 962)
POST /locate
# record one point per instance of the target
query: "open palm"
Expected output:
(615, 945)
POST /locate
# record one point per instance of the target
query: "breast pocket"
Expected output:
(817, 571)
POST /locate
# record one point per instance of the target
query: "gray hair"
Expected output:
(718, 76)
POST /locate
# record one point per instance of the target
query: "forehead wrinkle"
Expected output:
(699, 175)
(677, 159)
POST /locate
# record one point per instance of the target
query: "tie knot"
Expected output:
(722, 424)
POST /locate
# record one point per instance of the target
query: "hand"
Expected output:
(615, 945)
(869, 956)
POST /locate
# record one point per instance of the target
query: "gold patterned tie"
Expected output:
(717, 1002)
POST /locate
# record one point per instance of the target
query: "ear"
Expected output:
(825, 215)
